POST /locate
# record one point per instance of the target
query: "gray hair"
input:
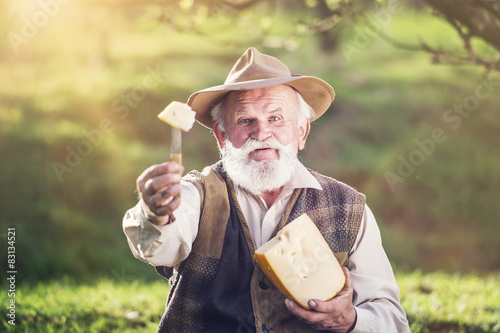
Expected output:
(304, 112)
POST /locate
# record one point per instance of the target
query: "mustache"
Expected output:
(257, 176)
(253, 144)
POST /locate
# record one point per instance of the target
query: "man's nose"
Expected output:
(261, 130)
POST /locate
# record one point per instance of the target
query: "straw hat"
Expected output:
(256, 70)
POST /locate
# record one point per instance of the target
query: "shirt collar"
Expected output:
(302, 178)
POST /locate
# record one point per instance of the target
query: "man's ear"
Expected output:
(303, 133)
(220, 135)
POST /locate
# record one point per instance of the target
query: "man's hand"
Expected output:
(159, 188)
(337, 314)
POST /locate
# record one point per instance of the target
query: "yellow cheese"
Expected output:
(178, 115)
(299, 262)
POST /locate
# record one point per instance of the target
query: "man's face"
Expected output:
(260, 114)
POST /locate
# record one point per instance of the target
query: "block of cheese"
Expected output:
(178, 115)
(300, 264)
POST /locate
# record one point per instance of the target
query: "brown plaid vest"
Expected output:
(219, 287)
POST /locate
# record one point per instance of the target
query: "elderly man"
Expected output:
(261, 118)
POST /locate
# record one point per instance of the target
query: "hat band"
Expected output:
(254, 77)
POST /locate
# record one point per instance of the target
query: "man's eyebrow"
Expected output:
(277, 110)
(272, 111)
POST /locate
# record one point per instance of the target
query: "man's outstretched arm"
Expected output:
(151, 235)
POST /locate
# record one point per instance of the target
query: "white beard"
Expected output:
(259, 176)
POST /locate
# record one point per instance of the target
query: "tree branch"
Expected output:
(469, 14)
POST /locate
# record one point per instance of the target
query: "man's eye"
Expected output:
(274, 118)
(244, 121)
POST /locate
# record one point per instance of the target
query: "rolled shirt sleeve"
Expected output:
(166, 245)
(376, 293)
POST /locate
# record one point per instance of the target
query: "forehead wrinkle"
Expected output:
(271, 101)
(241, 112)
(248, 96)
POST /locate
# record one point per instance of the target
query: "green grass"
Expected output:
(106, 306)
(434, 302)
(438, 302)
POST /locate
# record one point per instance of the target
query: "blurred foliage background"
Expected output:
(415, 124)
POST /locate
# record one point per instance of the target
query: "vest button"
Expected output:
(266, 328)
(263, 285)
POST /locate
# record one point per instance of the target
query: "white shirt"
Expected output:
(376, 293)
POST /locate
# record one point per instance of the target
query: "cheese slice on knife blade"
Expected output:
(299, 262)
(178, 115)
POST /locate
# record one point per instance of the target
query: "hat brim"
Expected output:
(317, 93)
